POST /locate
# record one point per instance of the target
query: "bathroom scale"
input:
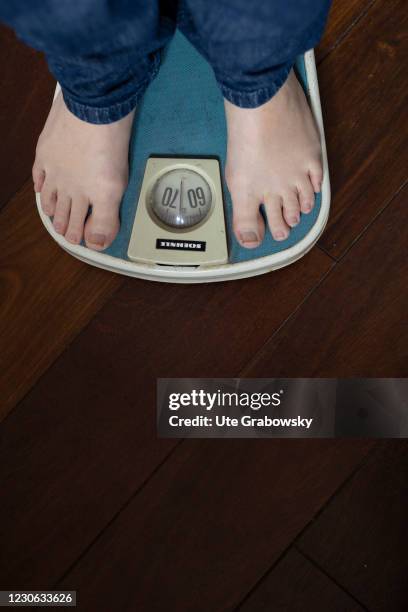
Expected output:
(176, 214)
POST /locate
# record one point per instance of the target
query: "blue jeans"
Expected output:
(104, 53)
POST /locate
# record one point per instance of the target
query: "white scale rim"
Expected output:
(231, 271)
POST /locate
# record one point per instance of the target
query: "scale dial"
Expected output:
(181, 198)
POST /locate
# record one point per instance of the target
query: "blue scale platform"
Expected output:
(182, 114)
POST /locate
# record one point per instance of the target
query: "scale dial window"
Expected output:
(181, 198)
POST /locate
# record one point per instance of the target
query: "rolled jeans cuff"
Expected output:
(257, 97)
(115, 111)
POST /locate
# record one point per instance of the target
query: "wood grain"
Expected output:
(47, 297)
(355, 323)
(26, 94)
(343, 17)
(361, 537)
(296, 585)
(210, 522)
(84, 438)
(364, 88)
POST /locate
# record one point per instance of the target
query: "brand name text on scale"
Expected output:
(182, 245)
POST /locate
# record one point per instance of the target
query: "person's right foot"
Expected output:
(78, 165)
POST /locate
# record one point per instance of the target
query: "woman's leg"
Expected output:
(103, 53)
(273, 144)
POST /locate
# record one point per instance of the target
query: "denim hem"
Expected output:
(113, 112)
(110, 114)
(253, 99)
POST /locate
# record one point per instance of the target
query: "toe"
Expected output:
(61, 215)
(248, 224)
(38, 173)
(291, 209)
(79, 210)
(102, 224)
(48, 198)
(276, 222)
(316, 176)
(306, 195)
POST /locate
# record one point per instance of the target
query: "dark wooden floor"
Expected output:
(91, 499)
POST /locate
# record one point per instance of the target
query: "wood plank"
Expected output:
(296, 585)
(84, 438)
(47, 297)
(210, 522)
(364, 89)
(361, 537)
(355, 323)
(343, 17)
(26, 94)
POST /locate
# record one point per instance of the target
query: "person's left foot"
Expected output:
(274, 158)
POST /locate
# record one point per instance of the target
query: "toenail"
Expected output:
(295, 219)
(72, 238)
(308, 207)
(280, 235)
(57, 226)
(98, 239)
(249, 237)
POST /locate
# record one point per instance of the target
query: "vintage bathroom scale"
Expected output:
(176, 214)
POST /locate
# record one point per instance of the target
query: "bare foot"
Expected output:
(78, 165)
(274, 158)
